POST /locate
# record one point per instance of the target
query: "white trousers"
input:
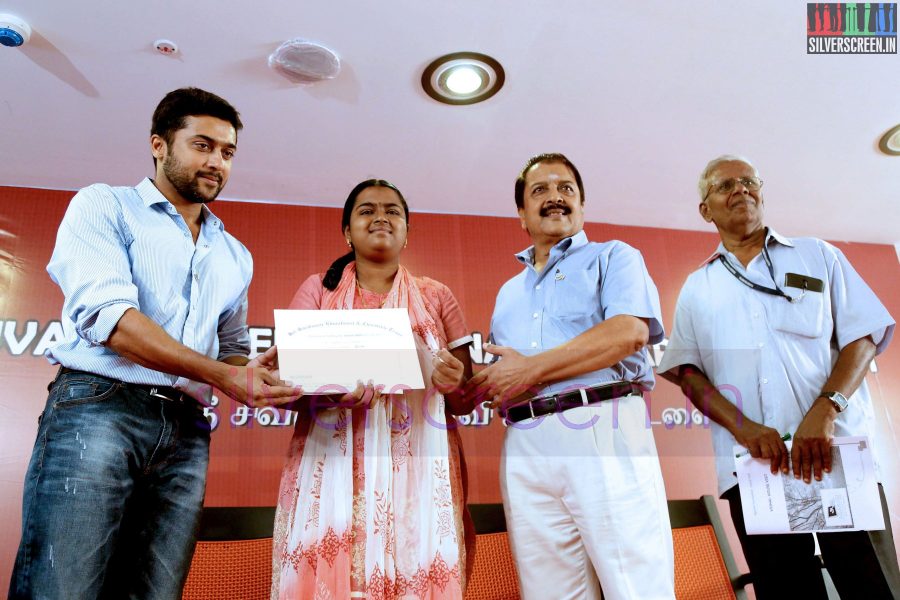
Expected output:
(585, 501)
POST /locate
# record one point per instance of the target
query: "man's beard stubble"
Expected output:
(185, 183)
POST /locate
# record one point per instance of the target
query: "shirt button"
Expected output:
(534, 315)
(760, 344)
(534, 344)
(537, 287)
(764, 380)
(756, 315)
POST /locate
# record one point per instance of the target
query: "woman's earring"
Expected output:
(349, 245)
(406, 243)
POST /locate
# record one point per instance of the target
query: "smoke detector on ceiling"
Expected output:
(303, 61)
(166, 47)
(13, 31)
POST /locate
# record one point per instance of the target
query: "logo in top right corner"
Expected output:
(851, 28)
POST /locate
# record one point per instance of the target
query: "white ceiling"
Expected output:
(638, 94)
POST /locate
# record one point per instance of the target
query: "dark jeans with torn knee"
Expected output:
(113, 493)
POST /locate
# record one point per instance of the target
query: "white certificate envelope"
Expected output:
(328, 351)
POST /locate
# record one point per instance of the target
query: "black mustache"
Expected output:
(216, 176)
(546, 210)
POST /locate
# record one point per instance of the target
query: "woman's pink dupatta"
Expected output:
(371, 501)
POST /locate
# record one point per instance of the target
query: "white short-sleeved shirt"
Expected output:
(770, 356)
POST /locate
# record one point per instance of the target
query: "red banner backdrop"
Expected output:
(472, 255)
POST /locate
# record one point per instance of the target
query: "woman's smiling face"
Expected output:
(378, 226)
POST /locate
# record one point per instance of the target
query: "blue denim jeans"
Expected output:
(113, 493)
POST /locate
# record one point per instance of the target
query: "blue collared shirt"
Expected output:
(127, 247)
(768, 356)
(583, 284)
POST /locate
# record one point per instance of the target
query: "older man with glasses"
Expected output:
(790, 327)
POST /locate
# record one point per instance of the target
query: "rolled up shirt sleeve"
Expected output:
(234, 337)
(91, 265)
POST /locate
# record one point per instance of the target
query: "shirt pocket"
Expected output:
(804, 317)
(576, 297)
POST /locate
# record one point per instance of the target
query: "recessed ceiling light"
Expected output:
(890, 142)
(463, 78)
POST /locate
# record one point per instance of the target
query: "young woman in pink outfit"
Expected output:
(372, 498)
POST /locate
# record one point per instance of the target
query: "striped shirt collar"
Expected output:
(151, 195)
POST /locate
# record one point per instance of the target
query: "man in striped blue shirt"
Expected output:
(154, 316)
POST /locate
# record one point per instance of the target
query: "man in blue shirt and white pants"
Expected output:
(582, 488)
(154, 316)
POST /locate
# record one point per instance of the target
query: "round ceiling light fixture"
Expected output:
(890, 142)
(304, 61)
(463, 78)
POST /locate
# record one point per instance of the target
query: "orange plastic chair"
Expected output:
(234, 555)
(704, 566)
(494, 574)
(237, 570)
(233, 559)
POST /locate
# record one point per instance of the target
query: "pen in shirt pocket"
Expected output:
(785, 438)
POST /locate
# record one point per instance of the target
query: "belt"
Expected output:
(556, 403)
(154, 391)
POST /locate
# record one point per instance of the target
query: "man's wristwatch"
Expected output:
(838, 399)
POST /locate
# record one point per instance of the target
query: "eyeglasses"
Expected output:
(726, 187)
